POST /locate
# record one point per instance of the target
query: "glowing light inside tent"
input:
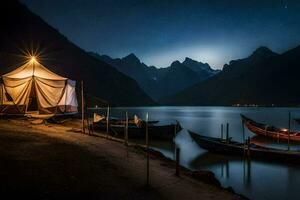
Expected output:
(33, 59)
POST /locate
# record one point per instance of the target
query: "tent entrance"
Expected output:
(32, 106)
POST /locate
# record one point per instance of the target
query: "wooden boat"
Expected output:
(119, 121)
(221, 146)
(270, 131)
(130, 122)
(156, 131)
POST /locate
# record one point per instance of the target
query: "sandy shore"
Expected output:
(51, 161)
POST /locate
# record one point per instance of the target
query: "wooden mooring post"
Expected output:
(248, 147)
(174, 140)
(177, 173)
(227, 132)
(289, 131)
(243, 129)
(107, 122)
(175, 131)
(126, 134)
(147, 149)
(222, 127)
(126, 129)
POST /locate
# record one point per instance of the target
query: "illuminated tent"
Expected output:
(32, 88)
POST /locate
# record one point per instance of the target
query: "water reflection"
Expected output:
(275, 143)
(257, 180)
(208, 160)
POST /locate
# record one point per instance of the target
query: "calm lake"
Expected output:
(254, 179)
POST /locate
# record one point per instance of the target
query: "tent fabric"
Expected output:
(69, 95)
(18, 92)
(33, 68)
(54, 93)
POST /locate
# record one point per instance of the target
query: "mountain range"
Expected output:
(263, 78)
(159, 83)
(23, 31)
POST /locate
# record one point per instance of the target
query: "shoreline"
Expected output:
(199, 184)
(200, 175)
(205, 176)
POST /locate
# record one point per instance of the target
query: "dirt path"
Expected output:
(53, 162)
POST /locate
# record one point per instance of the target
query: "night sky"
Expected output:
(161, 31)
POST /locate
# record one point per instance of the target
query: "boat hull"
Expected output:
(166, 132)
(269, 131)
(216, 145)
(219, 146)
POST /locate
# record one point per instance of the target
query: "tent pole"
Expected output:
(82, 107)
(66, 85)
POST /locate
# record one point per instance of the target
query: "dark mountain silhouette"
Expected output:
(23, 31)
(132, 67)
(203, 69)
(161, 82)
(129, 65)
(264, 78)
(178, 77)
